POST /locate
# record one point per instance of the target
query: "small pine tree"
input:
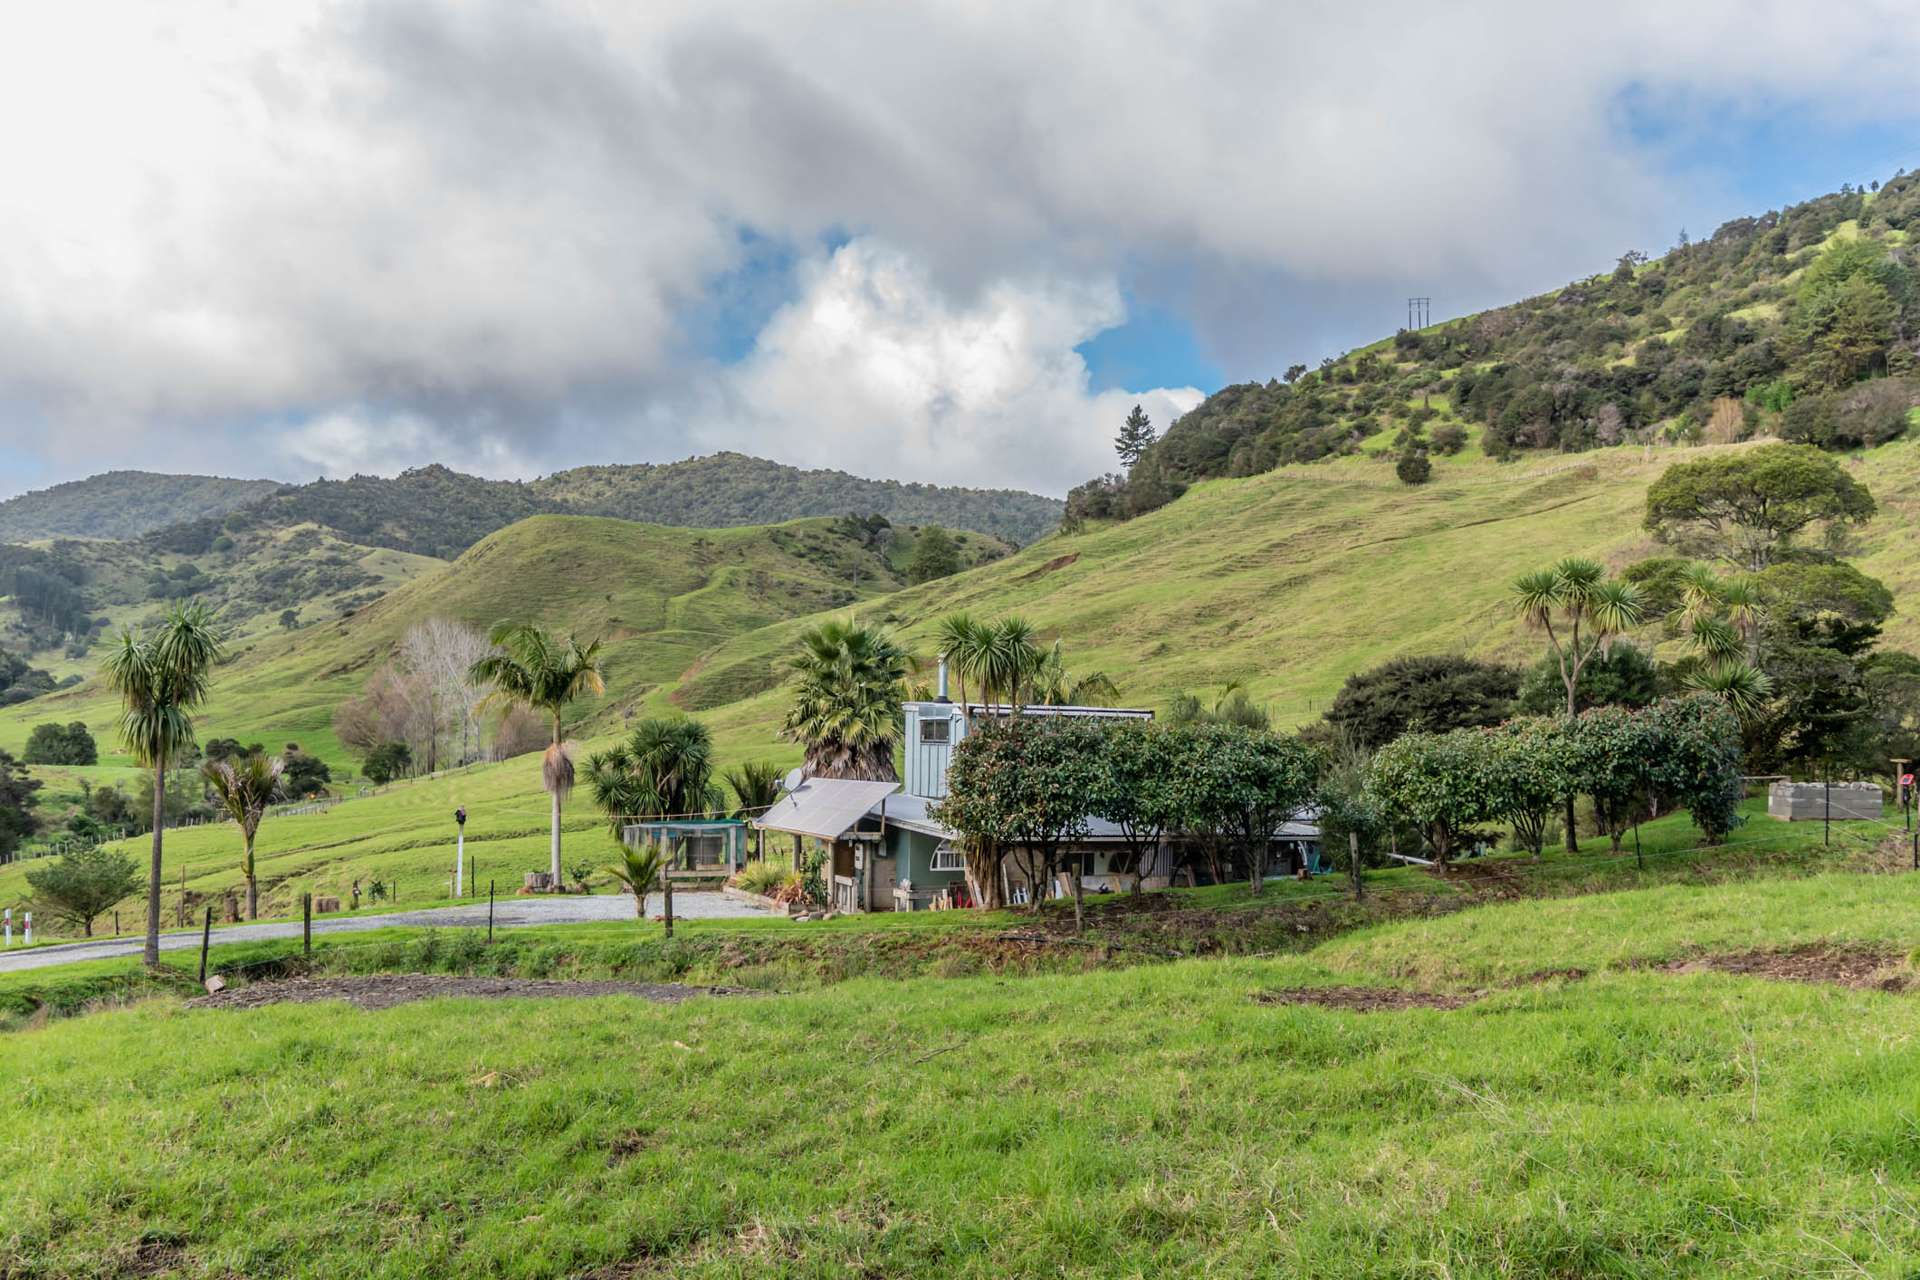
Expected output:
(935, 555)
(1135, 436)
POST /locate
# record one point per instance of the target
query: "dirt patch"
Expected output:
(1362, 999)
(1058, 562)
(1862, 968)
(153, 1258)
(383, 991)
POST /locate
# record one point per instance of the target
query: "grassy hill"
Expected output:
(123, 504)
(1286, 582)
(661, 597)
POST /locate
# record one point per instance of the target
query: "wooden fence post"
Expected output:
(306, 924)
(206, 937)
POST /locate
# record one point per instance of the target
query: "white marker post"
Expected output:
(459, 850)
(9, 915)
(29, 938)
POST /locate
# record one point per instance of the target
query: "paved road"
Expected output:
(509, 913)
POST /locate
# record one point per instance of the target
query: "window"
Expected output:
(946, 857)
(936, 731)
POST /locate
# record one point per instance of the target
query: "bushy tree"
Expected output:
(1022, 786)
(1526, 774)
(386, 762)
(1414, 467)
(1748, 508)
(61, 744)
(935, 555)
(81, 886)
(302, 774)
(1697, 765)
(1610, 752)
(1138, 786)
(1435, 693)
(1620, 676)
(17, 817)
(1436, 781)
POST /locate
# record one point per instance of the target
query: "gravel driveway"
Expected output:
(508, 913)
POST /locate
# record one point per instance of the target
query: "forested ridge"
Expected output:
(1802, 323)
(436, 511)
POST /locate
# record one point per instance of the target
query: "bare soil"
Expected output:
(1862, 968)
(1362, 999)
(384, 990)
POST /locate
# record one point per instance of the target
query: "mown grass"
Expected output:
(1151, 1121)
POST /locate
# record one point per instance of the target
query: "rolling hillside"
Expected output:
(1287, 582)
(661, 597)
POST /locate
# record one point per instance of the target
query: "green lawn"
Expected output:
(1156, 1120)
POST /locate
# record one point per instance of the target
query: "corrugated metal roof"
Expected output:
(825, 807)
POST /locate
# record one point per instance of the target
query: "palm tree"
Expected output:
(957, 639)
(664, 769)
(1008, 660)
(545, 673)
(1055, 686)
(846, 710)
(756, 786)
(160, 678)
(1578, 594)
(1744, 687)
(244, 788)
(640, 870)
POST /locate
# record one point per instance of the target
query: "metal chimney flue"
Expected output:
(943, 682)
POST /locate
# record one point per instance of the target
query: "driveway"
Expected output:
(508, 913)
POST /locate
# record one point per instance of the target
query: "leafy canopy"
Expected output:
(1747, 508)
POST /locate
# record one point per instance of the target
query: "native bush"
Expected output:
(1437, 781)
(1526, 774)
(1696, 761)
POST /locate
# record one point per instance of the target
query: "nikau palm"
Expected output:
(160, 678)
(245, 788)
(543, 672)
(846, 708)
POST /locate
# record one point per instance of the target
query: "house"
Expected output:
(884, 851)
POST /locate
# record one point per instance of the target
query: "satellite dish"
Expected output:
(794, 778)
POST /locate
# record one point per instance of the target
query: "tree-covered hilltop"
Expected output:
(1803, 323)
(726, 489)
(123, 504)
(437, 511)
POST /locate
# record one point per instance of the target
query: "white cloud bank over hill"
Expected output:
(290, 237)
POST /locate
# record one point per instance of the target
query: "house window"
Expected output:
(946, 857)
(936, 731)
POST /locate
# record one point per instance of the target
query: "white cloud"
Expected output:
(873, 368)
(489, 219)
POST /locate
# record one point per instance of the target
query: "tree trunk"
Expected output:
(253, 888)
(1256, 866)
(556, 811)
(151, 952)
(1079, 921)
(1353, 865)
(1573, 837)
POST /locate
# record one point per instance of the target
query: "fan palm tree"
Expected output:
(1577, 594)
(244, 786)
(846, 709)
(545, 673)
(160, 678)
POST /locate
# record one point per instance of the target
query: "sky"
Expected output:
(950, 243)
